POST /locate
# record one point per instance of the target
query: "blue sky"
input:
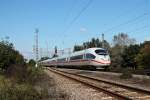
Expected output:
(53, 18)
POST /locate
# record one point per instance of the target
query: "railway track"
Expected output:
(120, 92)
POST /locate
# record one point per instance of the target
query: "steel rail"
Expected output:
(112, 83)
(68, 75)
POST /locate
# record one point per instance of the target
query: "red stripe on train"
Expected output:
(81, 61)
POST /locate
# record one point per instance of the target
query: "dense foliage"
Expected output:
(121, 43)
(93, 43)
(20, 80)
(116, 56)
(126, 54)
(9, 56)
(143, 57)
(31, 62)
(10, 91)
(129, 55)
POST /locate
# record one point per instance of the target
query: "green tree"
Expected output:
(129, 55)
(9, 56)
(92, 43)
(123, 39)
(120, 42)
(143, 58)
(106, 45)
(78, 48)
(116, 58)
(32, 62)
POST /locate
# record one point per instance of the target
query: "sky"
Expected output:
(64, 23)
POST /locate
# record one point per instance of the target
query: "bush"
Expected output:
(9, 56)
(33, 74)
(28, 83)
(31, 62)
(24, 74)
(10, 91)
(143, 57)
(17, 73)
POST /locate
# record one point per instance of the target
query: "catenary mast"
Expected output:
(36, 46)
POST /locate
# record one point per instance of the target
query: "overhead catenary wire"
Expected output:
(123, 14)
(75, 18)
(137, 29)
(78, 15)
(127, 22)
(71, 8)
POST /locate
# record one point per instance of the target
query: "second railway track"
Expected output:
(121, 92)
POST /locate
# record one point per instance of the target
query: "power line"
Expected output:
(82, 10)
(78, 15)
(137, 29)
(70, 10)
(124, 14)
(127, 22)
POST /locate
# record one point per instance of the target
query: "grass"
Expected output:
(29, 83)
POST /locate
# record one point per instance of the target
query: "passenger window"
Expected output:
(90, 56)
(77, 57)
(61, 60)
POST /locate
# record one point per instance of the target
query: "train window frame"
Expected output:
(101, 52)
(61, 60)
(89, 56)
(78, 57)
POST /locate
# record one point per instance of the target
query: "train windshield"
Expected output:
(101, 52)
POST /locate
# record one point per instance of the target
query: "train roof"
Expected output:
(89, 49)
(74, 54)
(79, 52)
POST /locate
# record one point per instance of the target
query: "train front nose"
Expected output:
(103, 56)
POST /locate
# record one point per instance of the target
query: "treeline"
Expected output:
(9, 56)
(20, 80)
(94, 42)
(124, 51)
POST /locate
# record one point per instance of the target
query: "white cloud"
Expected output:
(83, 29)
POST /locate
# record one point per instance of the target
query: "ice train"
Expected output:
(88, 58)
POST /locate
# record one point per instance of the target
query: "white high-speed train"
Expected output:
(92, 57)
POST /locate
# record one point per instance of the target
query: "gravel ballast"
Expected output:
(140, 81)
(77, 91)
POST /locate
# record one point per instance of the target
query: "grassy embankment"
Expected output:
(28, 83)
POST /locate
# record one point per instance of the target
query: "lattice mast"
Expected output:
(36, 45)
(103, 46)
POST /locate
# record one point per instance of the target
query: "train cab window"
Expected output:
(62, 59)
(90, 56)
(78, 57)
(101, 52)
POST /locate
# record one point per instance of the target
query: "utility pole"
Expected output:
(103, 46)
(36, 46)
